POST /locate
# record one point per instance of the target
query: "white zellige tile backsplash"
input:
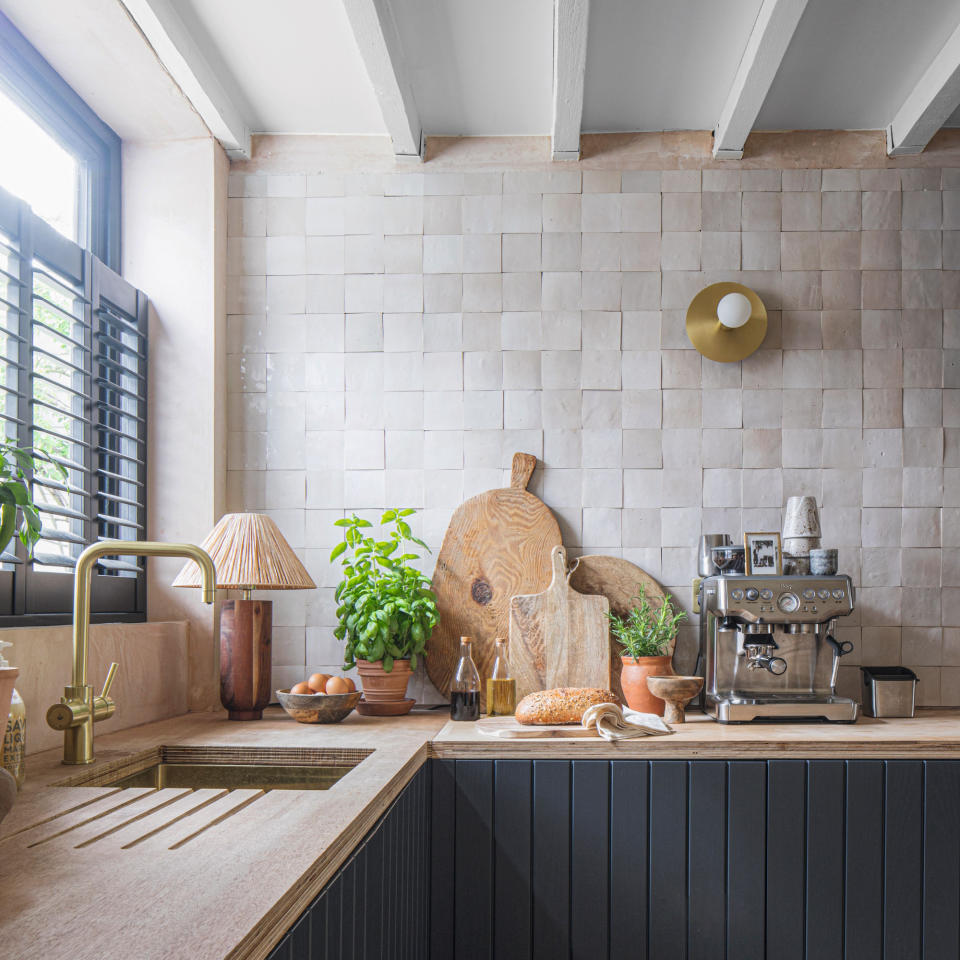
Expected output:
(395, 338)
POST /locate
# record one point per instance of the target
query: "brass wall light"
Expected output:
(726, 322)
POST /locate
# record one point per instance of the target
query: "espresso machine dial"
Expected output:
(788, 602)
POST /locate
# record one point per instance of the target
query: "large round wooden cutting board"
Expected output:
(618, 580)
(498, 545)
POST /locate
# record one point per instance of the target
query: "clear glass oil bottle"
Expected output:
(465, 687)
(501, 687)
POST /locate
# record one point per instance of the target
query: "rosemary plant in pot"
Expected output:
(386, 608)
(647, 635)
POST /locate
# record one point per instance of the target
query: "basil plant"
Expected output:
(15, 464)
(386, 608)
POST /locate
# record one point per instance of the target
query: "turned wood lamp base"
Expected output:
(249, 553)
(245, 652)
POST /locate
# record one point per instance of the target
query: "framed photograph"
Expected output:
(763, 553)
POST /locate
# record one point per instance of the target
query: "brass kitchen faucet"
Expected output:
(78, 709)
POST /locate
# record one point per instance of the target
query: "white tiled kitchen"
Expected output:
(479, 480)
(399, 335)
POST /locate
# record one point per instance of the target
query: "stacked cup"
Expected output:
(801, 534)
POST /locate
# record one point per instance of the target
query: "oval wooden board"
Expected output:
(618, 580)
(498, 545)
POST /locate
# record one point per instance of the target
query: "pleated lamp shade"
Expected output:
(250, 553)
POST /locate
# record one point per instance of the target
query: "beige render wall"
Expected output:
(175, 249)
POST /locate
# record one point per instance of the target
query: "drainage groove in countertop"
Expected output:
(82, 823)
(62, 813)
(220, 819)
(176, 819)
(140, 816)
(150, 831)
(146, 813)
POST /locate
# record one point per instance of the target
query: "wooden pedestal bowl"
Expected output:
(675, 692)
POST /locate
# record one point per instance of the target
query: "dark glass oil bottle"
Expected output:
(465, 687)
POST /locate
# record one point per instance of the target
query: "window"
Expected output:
(73, 369)
(72, 344)
(40, 171)
(58, 155)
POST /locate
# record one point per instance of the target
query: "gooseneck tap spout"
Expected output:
(79, 709)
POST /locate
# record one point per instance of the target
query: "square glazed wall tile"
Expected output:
(398, 336)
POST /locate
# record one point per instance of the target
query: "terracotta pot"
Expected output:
(634, 682)
(380, 687)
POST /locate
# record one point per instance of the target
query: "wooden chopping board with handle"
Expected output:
(619, 581)
(497, 545)
(559, 637)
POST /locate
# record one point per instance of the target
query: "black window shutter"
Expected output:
(73, 383)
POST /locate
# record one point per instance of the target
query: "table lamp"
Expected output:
(250, 553)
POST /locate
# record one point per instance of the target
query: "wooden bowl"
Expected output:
(318, 707)
(675, 691)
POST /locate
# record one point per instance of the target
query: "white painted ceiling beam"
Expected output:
(929, 104)
(185, 62)
(379, 41)
(774, 28)
(569, 67)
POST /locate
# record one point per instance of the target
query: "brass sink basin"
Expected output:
(226, 768)
(239, 776)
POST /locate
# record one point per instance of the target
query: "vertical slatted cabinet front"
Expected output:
(726, 860)
(376, 906)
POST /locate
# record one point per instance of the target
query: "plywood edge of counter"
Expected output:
(932, 734)
(273, 926)
(658, 749)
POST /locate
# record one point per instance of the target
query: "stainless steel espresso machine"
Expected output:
(768, 650)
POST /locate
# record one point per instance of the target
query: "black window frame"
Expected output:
(29, 594)
(28, 80)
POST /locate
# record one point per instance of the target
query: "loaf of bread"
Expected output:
(562, 705)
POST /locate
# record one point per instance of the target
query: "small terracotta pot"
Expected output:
(381, 687)
(633, 679)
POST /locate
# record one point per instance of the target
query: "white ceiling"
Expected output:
(292, 66)
(99, 51)
(485, 67)
(479, 67)
(662, 64)
(852, 63)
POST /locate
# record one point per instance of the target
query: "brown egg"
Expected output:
(351, 686)
(318, 682)
(337, 685)
(301, 687)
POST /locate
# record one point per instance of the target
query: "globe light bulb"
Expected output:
(734, 310)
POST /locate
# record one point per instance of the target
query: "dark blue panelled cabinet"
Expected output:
(653, 860)
(376, 907)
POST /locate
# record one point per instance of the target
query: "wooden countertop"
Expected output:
(231, 890)
(931, 733)
(93, 872)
